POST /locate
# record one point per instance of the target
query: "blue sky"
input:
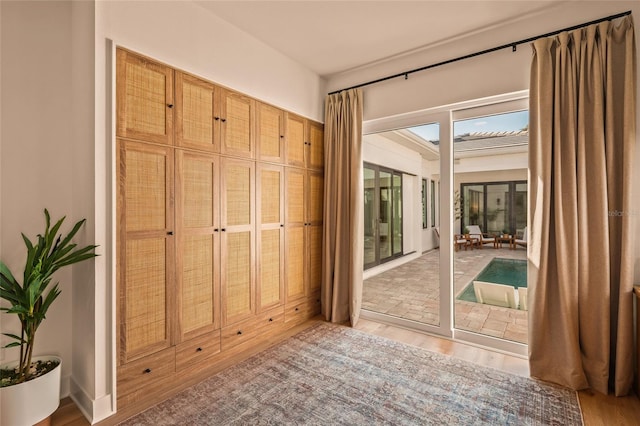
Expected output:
(491, 123)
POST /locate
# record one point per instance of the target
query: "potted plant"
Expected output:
(505, 233)
(30, 386)
(465, 231)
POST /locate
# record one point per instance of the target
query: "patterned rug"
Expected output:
(334, 375)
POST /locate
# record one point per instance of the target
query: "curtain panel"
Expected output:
(582, 137)
(343, 232)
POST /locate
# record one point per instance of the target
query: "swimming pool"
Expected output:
(501, 271)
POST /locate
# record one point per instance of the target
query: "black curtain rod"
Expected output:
(513, 45)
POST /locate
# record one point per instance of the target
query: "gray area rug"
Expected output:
(334, 375)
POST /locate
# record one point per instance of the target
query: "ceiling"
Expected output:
(330, 37)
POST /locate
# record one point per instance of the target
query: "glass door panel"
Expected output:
(397, 214)
(370, 217)
(384, 220)
(490, 273)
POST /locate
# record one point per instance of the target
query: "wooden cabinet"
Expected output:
(219, 226)
(198, 244)
(270, 236)
(303, 228)
(315, 145)
(237, 228)
(270, 133)
(196, 108)
(295, 140)
(237, 119)
(144, 99)
(145, 251)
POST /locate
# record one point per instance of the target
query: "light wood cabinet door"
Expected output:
(144, 99)
(270, 236)
(270, 133)
(315, 146)
(314, 219)
(198, 244)
(196, 106)
(295, 230)
(237, 239)
(145, 249)
(295, 140)
(237, 124)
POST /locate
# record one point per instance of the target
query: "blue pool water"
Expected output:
(501, 271)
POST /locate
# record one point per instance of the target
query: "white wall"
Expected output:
(56, 143)
(37, 152)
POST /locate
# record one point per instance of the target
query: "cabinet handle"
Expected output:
(199, 350)
(216, 118)
(216, 230)
(239, 332)
(170, 105)
(147, 371)
(281, 136)
(223, 230)
(270, 319)
(170, 233)
(224, 120)
(282, 225)
(297, 309)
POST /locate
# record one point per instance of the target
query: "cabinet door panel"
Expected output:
(316, 197)
(295, 196)
(315, 257)
(237, 226)
(295, 265)
(316, 146)
(270, 204)
(295, 140)
(237, 124)
(144, 99)
(145, 248)
(270, 133)
(196, 106)
(198, 296)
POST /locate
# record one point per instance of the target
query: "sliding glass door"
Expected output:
(382, 215)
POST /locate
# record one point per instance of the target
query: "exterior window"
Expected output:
(425, 203)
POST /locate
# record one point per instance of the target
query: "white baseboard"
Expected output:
(94, 410)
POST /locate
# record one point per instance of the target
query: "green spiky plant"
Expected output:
(31, 300)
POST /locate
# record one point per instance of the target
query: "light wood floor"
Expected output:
(597, 409)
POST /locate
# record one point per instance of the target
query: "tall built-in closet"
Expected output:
(219, 226)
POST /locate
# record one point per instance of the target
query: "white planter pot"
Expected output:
(30, 402)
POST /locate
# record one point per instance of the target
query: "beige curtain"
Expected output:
(582, 136)
(343, 203)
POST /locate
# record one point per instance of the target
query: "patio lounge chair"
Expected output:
(496, 294)
(521, 241)
(483, 238)
(522, 295)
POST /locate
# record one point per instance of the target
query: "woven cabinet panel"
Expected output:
(270, 267)
(238, 122)
(145, 293)
(197, 282)
(295, 261)
(316, 197)
(315, 257)
(197, 113)
(145, 100)
(238, 191)
(146, 175)
(269, 125)
(295, 141)
(198, 191)
(238, 274)
(316, 138)
(270, 196)
(295, 197)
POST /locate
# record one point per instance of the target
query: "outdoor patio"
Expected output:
(411, 291)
